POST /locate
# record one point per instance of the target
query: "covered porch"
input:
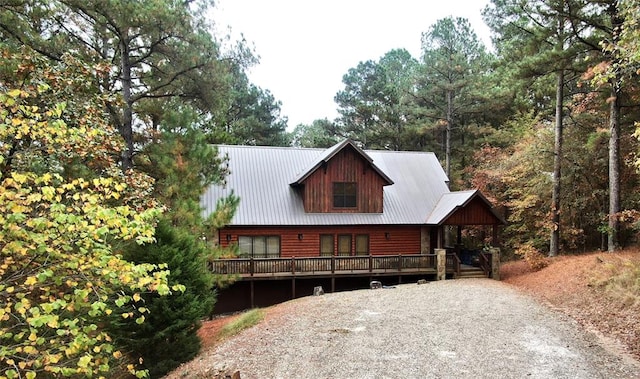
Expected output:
(468, 210)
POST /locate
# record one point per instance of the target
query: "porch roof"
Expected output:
(464, 208)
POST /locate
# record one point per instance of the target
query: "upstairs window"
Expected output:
(344, 195)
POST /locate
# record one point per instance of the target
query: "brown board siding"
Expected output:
(475, 213)
(402, 239)
(346, 166)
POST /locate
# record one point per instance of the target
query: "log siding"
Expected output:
(303, 241)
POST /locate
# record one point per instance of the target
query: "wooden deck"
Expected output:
(333, 266)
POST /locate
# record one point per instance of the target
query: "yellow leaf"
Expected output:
(117, 354)
(136, 297)
(30, 281)
(84, 361)
(31, 375)
(33, 337)
(19, 178)
(54, 358)
(14, 93)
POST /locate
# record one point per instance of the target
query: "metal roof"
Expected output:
(261, 177)
(448, 203)
(452, 201)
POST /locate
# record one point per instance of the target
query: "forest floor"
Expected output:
(599, 290)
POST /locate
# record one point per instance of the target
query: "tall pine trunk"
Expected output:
(126, 127)
(614, 137)
(557, 169)
(447, 143)
(554, 243)
(614, 168)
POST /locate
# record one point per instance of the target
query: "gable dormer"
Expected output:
(343, 179)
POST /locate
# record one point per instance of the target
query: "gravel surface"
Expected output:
(473, 328)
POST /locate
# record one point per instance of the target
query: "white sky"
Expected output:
(305, 47)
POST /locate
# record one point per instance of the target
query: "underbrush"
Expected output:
(620, 279)
(244, 321)
(534, 258)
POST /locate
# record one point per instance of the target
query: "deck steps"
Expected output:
(471, 273)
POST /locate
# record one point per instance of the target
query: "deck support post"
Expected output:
(293, 288)
(252, 294)
(495, 263)
(441, 264)
(333, 284)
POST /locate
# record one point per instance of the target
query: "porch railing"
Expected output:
(327, 265)
(486, 263)
(453, 263)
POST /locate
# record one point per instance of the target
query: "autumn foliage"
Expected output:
(60, 270)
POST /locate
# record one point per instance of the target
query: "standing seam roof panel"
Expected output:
(260, 176)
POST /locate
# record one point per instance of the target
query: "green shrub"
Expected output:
(168, 337)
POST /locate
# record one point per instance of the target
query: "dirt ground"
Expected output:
(569, 284)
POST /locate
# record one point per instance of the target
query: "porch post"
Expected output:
(441, 264)
(495, 263)
(425, 240)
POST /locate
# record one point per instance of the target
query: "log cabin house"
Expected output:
(343, 212)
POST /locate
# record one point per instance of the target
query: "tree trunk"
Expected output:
(614, 168)
(557, 169)
(126, 128)
(614, 138)
(447, 143)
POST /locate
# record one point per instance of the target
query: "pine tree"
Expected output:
(183, 166)
(169, 336)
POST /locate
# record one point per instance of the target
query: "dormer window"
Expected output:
(344, 194)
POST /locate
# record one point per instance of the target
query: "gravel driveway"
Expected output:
(473, 328)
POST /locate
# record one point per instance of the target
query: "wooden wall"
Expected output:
(346, 166)
(475, 213)
(402, 239)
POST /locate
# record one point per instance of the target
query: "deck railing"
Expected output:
(329, 265)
